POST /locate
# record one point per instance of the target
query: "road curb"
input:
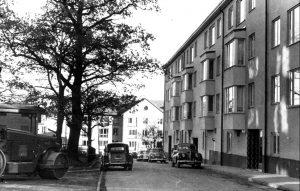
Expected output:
(83, 170)
(99, 181)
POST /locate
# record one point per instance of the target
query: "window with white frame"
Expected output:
(206, 39)
(275, 142)
(251, 48)
(251, 94)
(234, 99)
(175, 88)
(240, 11)
(294, 87)
(235, 53)
(179, 65)
(218, 65)
(275, 89)
(192, 53)
(252, 4)
(208, 69)
(132, 144)
(212, 35)
(132, 132)
(175, 113)
(104, 132)
(219, 27)
(103, 143)
(217, 103)
(195, 78)
(187, 110)
(294, 25)
(188, 81)
(206, 106)
(228, 142)
(230, 17)
(276, 32)
(145, 120)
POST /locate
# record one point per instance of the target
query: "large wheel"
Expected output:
(2, 163)
(54, 165)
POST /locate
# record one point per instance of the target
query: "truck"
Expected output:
(23, 150)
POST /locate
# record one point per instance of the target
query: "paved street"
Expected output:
(77, 181)
(157, 176)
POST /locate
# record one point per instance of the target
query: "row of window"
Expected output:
(132, 121)
(182, 136)
(234, 98)
(293, 27)
(235, 49)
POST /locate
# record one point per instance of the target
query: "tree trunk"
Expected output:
(89, 131)
(76, 123)
(60, 114)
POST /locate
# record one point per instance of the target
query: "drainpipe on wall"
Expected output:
(265, 160)
(222, 91)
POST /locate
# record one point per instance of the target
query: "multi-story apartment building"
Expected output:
(136, 121)
(233, 88)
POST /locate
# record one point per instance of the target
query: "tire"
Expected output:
(2, 162)
(173, 164)
(177, 164)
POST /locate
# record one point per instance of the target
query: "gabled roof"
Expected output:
(143, 99)
(20, 108)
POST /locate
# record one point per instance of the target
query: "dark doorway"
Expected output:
(170, 146)
(254, 147)
(195, 142)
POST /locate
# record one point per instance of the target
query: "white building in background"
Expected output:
(135, 121)
(124, 126)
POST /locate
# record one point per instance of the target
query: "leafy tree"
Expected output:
(81, 41)
(151, 136)
(98, 104)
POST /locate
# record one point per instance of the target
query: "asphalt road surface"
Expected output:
(156, 176)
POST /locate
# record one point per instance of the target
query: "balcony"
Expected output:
(234, 121)
(207, 122)
(235, 75)
(187, 96)
(174, 125)
(186, 124)
(207, 87)
(175, 101)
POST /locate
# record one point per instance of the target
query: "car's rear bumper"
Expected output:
(189, 162)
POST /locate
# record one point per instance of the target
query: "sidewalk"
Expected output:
(280, 182)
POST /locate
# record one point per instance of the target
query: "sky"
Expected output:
(171, 27)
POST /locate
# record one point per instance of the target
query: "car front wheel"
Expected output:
(177, 164)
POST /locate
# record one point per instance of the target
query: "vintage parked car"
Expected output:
(186, 153)
(117, 154)
(140, 155)
(146, 155)
(157, 154)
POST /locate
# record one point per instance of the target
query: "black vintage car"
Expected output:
(117, 154)
(186, 153)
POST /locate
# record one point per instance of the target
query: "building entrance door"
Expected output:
(170, 146)
(254, 147)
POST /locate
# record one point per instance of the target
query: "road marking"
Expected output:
(99, 181)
